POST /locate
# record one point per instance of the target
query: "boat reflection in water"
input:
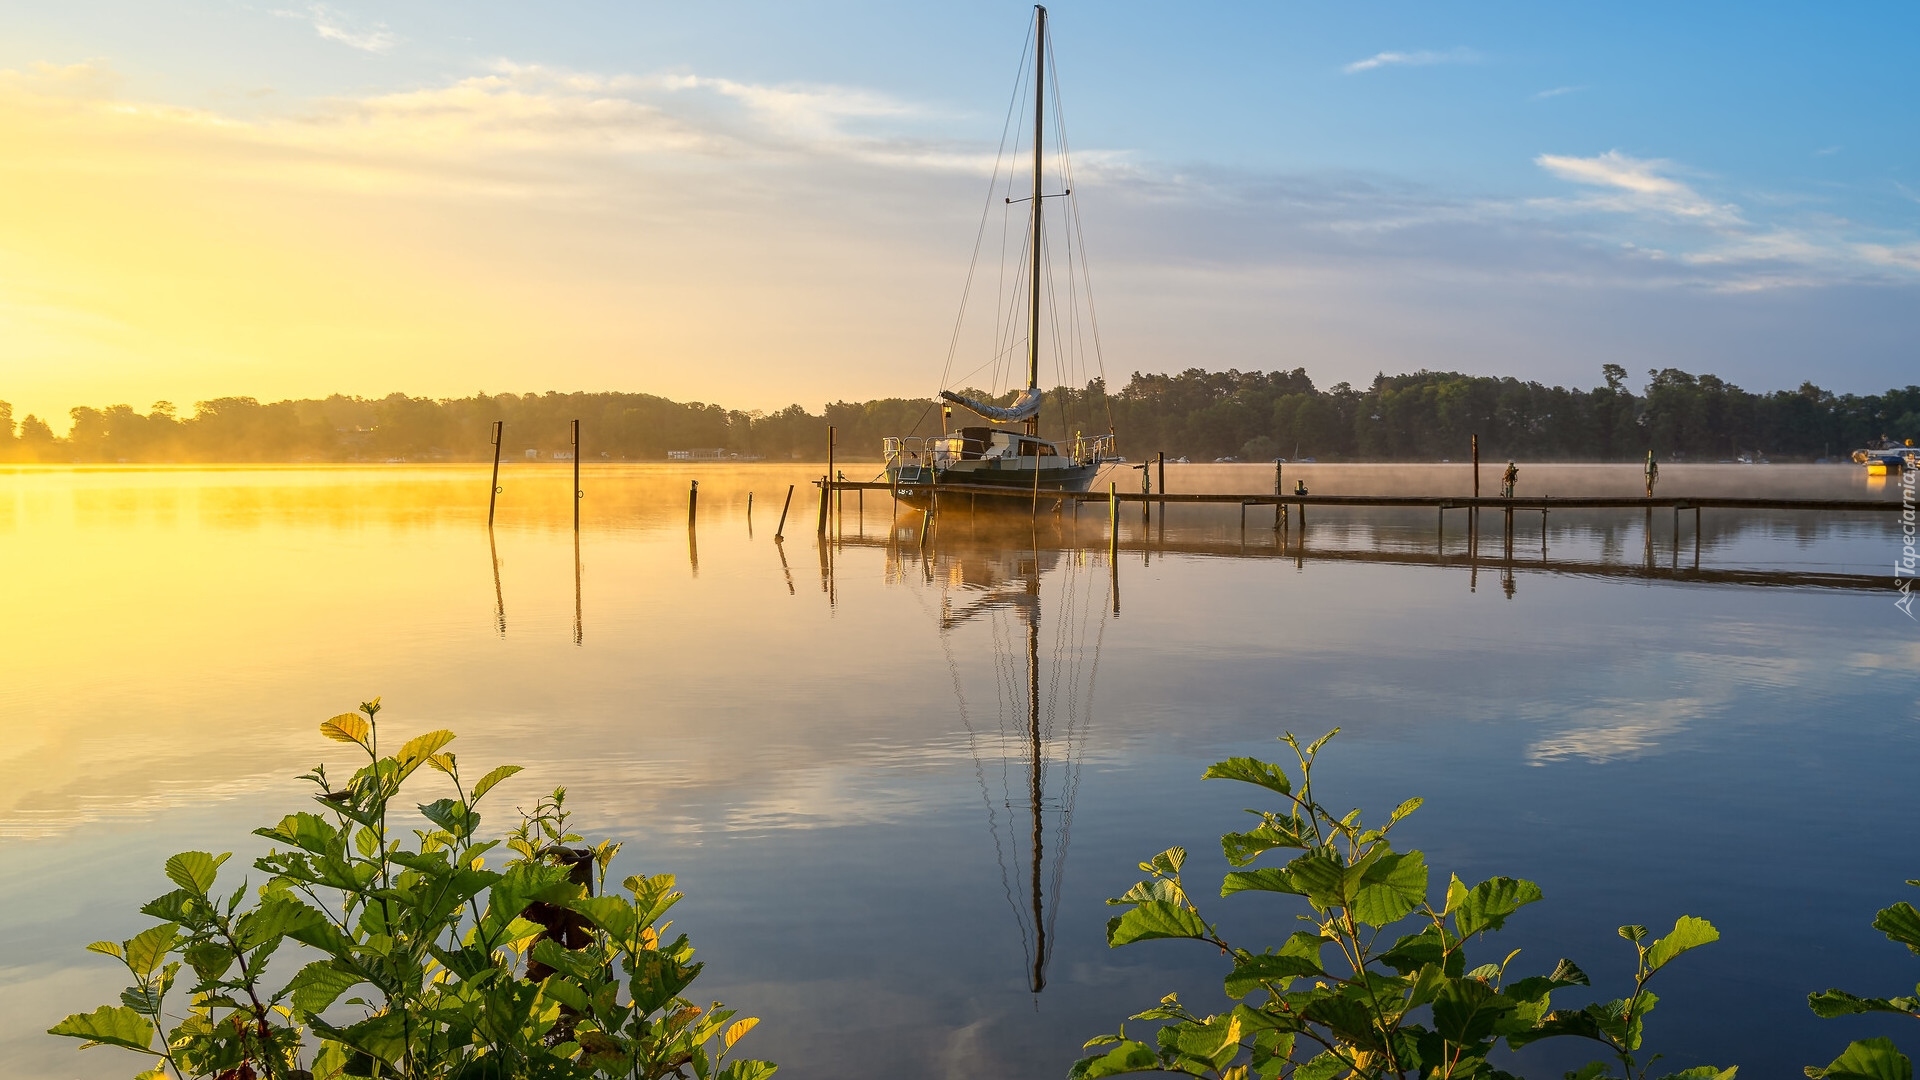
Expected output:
(1028, 742)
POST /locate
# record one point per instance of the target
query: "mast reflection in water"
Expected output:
(1027, 761)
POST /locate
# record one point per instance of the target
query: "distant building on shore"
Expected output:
(711, 453)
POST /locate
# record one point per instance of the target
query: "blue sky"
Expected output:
(1504, 188)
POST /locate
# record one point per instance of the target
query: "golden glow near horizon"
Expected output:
(493, 234)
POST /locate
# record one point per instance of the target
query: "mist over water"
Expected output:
(834, 744)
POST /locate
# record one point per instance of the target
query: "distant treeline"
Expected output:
(1198, 414)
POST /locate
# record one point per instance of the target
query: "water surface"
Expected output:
(833, 745)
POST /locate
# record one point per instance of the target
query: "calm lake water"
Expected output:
(832, 745)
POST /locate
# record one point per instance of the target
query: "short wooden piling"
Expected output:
(493, 489)
(577, 493)
(693, 503)
(1113, 522)
(779, 531)
(826, 489)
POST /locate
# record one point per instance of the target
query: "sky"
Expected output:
(762, 203)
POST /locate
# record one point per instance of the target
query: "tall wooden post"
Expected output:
(1163, 472)
(493, 492)
(577, 493)
(1473, 515)
(832, 435)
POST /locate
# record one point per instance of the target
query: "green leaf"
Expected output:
(146, 949)
(418, 749)
(282, 916)
(195, 871)
(488, 781)
(610, 913)
(1466, 1010)
(110, 1025)
(1487, 905)
(1404, 809)
(746, 1069)
(1279, 832)
(1215, 1040)
(1703, 1072)
(1867, 1059)
(1901, 923)
(522, 884)
(1250, 771)
(1265, 879)
(1391, 888)
(1537, 987)
(1155, 919)
(1320, 876)
(318, 985)
(1688, 933)
(109, 948)
(1415, 951)
(451, 815)
(308, 832)
(347, 727)
(1128, 1057)
(1324, 1066)
(1249, 973)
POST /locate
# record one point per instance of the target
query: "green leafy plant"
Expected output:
(430, 963)
(1377, 982)
(1873, 1059)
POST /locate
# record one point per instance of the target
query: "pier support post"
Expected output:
(577, 493)
(1113, 522)
(693, 503)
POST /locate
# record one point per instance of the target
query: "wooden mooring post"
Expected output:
(493, 489)
(693, 503)
(577, 493)
(779, 531)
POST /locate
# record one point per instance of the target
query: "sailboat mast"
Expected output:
(1033, 291)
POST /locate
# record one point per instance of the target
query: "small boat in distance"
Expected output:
(1018, 460)
(1888, 457)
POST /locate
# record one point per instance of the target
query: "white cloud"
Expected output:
(1557, 91)
(1419, 58)
(336, 26)
(1637, 185)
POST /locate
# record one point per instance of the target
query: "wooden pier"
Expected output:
(1005, 499)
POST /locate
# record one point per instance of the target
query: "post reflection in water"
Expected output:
(578, 625)
(499, 597)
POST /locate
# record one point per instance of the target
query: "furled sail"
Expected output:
(1024, 407)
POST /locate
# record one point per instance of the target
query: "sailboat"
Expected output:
(999, 456)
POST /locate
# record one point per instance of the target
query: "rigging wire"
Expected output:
(953, 342)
